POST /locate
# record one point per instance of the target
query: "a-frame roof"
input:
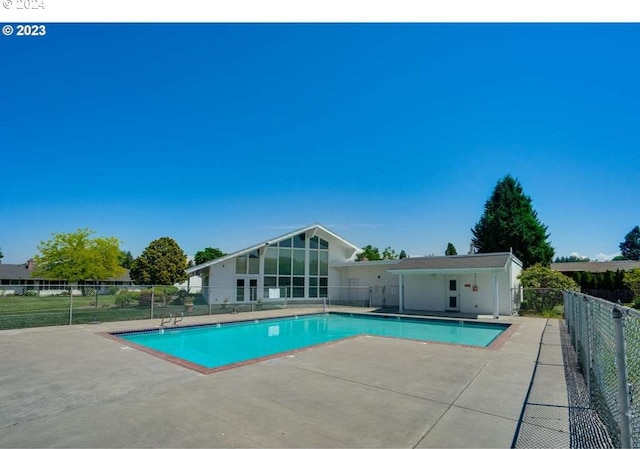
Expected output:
(314, 228)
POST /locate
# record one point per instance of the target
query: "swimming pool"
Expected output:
(217, 345)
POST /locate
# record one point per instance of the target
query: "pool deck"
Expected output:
(69, 386)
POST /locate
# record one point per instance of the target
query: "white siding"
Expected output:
(428, 292)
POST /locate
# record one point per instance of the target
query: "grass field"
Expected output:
(24, 311)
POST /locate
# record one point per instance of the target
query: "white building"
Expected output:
(313, 264)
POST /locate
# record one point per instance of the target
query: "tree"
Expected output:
(539, 276)
(451, 250)
(630, 248)
(75, 257)
(208, 254)
(510, 222)
(543, 287)
(402, 255)
(577, 277)
(1, 255)
(369, 253)
(161, 263)
(572, 258)
(632, 280)
(608, 281)
(618, 258)
(389, 253)
(125, 259)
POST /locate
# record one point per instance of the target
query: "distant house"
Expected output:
(616, 292)
(314, 263)
(15, 279)
(570, 268)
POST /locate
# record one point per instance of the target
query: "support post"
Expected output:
(623, 382)
(153, 299)
(496, 313)
(587, 322)
(401, 295)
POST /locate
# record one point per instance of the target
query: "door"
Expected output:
(246, 289)
(452, 295)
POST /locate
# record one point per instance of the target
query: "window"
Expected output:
(318, 267)
(254, 262)
(241, 264)
(271, 261)
(284, 261)
(248, 263)
(298, 262)
(298, 241)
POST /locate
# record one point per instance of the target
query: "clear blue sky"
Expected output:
(391, 135)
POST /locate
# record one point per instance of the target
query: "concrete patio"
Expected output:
(70, 387)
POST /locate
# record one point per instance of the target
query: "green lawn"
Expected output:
(25, 311)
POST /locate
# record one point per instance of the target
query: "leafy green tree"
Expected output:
(1, 255)
(208, 254)
(125, 259)
(369, 253)
(510, 222)
(632, 280)
(451, 250)
(618, 258)
(402, 255)
(76, 257)
(543, 287)
(630, 248)
(564, 259)
(161, 263)
(389, 254)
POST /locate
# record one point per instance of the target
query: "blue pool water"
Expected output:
(213, 346)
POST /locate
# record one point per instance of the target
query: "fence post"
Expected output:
(153, 299)
(588, 345)
(623, 383)
(70, 304)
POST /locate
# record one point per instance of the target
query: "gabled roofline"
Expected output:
(268, 242)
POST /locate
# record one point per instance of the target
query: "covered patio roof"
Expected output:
(469, 263)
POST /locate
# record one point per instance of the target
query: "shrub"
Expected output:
(113, 290)
(126, 299)
(144, 298)
(30, 293)
(89, 291)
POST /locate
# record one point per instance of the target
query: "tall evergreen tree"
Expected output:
(451, 250)
(402, 255)
(630, 248)
(510, 222)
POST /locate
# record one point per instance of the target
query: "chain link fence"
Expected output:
(606, 339)
(64, 304)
